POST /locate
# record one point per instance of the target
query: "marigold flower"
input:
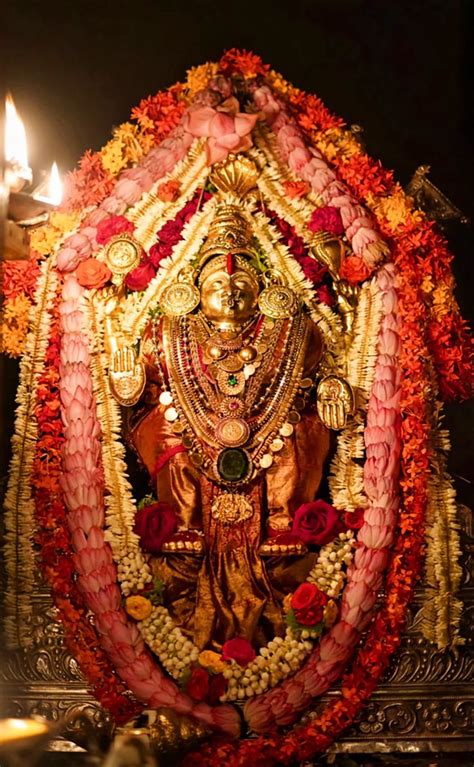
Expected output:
(138, 607)
(198, 77)
(212, 661)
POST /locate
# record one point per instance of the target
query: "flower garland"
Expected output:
(82, 482)
(19, 504)
(426, 322)
(54, 541)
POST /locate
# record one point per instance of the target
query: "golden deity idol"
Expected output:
(228, 428)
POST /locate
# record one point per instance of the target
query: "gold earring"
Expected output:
(182, 296)
(277, 300)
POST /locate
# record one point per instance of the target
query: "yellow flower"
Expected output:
(44, 239)
(212, 661)
(17, 310)
(64, 222)
(287, 603)
(198, 77)
(330, 613)
(113, 158)
(128, 145)
(12, 339)
(278, 82)
(138, 607)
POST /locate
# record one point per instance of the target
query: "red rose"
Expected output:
(308, 604)
(326, 219)
(197, 686)
(158, 252)
(354, 270)
(109, 227)
(354, 519)
(324, 295)
(92, 273)
(239, 650)
(170, 232)
(217, 687)
(316, 523)
(154, 524)
(139, 277)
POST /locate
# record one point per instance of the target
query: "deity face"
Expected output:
(229, 300)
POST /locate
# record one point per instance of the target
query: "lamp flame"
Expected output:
(16, 150)
(55, 187)
(51, 189)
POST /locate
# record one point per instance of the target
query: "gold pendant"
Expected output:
(232, 431)
(230, 383)
(231, 364)
(122, 254)
(231, 508)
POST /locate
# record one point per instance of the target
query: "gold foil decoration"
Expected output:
(237, 174)
(231, 508)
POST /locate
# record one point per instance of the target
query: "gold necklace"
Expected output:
(198, 416)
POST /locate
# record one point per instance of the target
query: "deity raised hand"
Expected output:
(126, 376)
(335, 401)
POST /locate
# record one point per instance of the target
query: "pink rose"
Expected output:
(326, 219)
(139, 277)
(239, 650)
(67, 259)
(114, 206)
(258, 713)
(316, 523)
(128, 190)
(112, 226)
(154, 525)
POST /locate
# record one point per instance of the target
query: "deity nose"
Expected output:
(232, 295)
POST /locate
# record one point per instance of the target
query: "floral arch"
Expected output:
(69, 491)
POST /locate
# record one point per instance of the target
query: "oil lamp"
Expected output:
(20, 210)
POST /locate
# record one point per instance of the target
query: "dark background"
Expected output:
(399, 69)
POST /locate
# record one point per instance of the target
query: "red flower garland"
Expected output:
(52, 536)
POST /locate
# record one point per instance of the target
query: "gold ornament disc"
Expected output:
(230, 383)
(122, 254)
(278, 302)
(232, 432)
(232, 363)
(179, 298)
